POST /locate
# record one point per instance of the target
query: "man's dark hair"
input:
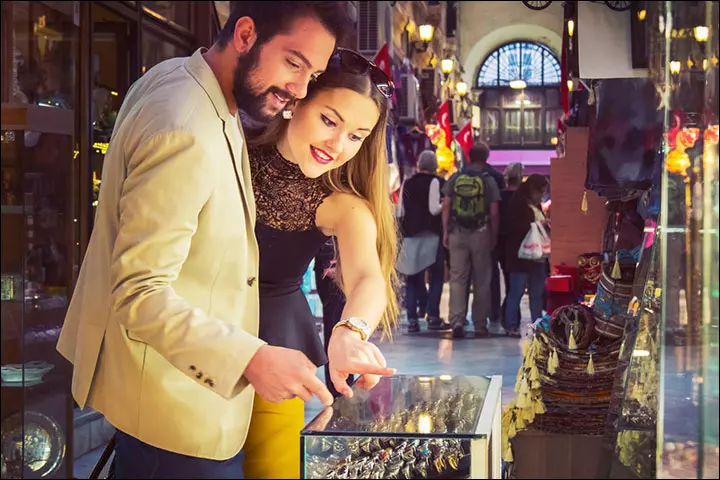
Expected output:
(274, 18)
(479, 154)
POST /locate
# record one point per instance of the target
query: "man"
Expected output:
(471, 220)
(162, 328)
(422, 232)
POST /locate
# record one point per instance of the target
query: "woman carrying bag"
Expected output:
(526, 248)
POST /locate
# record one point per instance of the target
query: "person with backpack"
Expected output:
(471, 219)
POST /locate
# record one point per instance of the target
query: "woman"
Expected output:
(322, 173)
(523, 210)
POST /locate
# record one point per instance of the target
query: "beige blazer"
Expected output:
(164, 317)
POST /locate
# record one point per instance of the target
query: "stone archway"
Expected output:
(518, 32)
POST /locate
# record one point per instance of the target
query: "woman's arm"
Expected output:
(349, 218)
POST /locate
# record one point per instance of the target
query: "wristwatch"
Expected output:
(356, 324)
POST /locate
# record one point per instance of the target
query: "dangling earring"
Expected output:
(287, 114)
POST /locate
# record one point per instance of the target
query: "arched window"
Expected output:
(532, 62)
(527, 118)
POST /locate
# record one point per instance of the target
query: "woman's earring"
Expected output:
(287, 114)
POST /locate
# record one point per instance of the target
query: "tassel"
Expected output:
(534, 374)
(519, 423)
(518, 384)
(529, 414)
(584, 205)
(512, 431)
(616, 273)
(571, 342)
(523, 387)
(537, 346)
(535, 384)
(553, 362)
(508, 457)
(540, 407)
(522, 401)
(591, 366)
(525, 348)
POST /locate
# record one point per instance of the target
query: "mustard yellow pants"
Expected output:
(272, 448)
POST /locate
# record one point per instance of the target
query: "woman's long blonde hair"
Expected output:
(366, 175)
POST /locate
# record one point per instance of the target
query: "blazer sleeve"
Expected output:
(169, 180)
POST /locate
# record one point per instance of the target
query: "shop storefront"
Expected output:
(66, 67)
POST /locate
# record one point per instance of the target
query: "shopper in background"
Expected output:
(162, 327)
(514, 177)
(323, 172)
(523, 210)
(471, 221)
(422, 243)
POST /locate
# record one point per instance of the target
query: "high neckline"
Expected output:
(285, 166)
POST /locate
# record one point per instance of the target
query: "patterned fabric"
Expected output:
(613, 296)
(286, 199)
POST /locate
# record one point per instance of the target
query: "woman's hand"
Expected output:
(349, 354)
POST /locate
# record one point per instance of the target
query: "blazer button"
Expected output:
(199, 375)
(251, 281)
(210, 382)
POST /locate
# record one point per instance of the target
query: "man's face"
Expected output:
(278, 72)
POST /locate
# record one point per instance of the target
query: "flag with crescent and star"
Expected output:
(442, 116)
(465, 138)
(382, 60)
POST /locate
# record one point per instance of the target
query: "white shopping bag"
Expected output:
(531, 247)
(545, 240)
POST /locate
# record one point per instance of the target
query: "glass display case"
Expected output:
(687, 69)
(674, 434)
(38, 250)
(409, 427)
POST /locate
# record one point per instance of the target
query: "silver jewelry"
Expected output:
(287, 114)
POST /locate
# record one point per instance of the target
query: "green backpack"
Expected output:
(468, 202)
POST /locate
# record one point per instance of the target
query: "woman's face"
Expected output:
(328, 130)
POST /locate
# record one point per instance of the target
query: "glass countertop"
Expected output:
(407, 405)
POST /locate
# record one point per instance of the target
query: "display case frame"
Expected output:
(482, 441)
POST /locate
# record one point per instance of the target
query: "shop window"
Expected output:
(155, 49)
(114, 46)
(176, 12)
(524, 118)
(42, 63)
(528, 61)
(39, 236)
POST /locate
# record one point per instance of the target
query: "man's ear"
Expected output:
(245, 35)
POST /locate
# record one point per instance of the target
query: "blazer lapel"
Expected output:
(241, 165)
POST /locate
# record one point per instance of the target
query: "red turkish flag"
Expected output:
(443, 118)
(465, 138)
(382, 59)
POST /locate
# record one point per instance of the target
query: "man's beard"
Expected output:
(251, 99)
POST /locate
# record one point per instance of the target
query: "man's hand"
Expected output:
(348, 354)
(446, 242)
(279, 373)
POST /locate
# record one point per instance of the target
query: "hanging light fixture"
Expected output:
(701, 33)
(570, 85)
(641, 15)
(571, 27)
(461, 88)
(518, 84)
(426, 33)
(446, 65)
(675, 67)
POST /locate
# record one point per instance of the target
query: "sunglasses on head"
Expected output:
(355, 63)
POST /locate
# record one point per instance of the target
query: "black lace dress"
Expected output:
(288, 240)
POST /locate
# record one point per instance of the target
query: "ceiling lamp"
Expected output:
(518, 84)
